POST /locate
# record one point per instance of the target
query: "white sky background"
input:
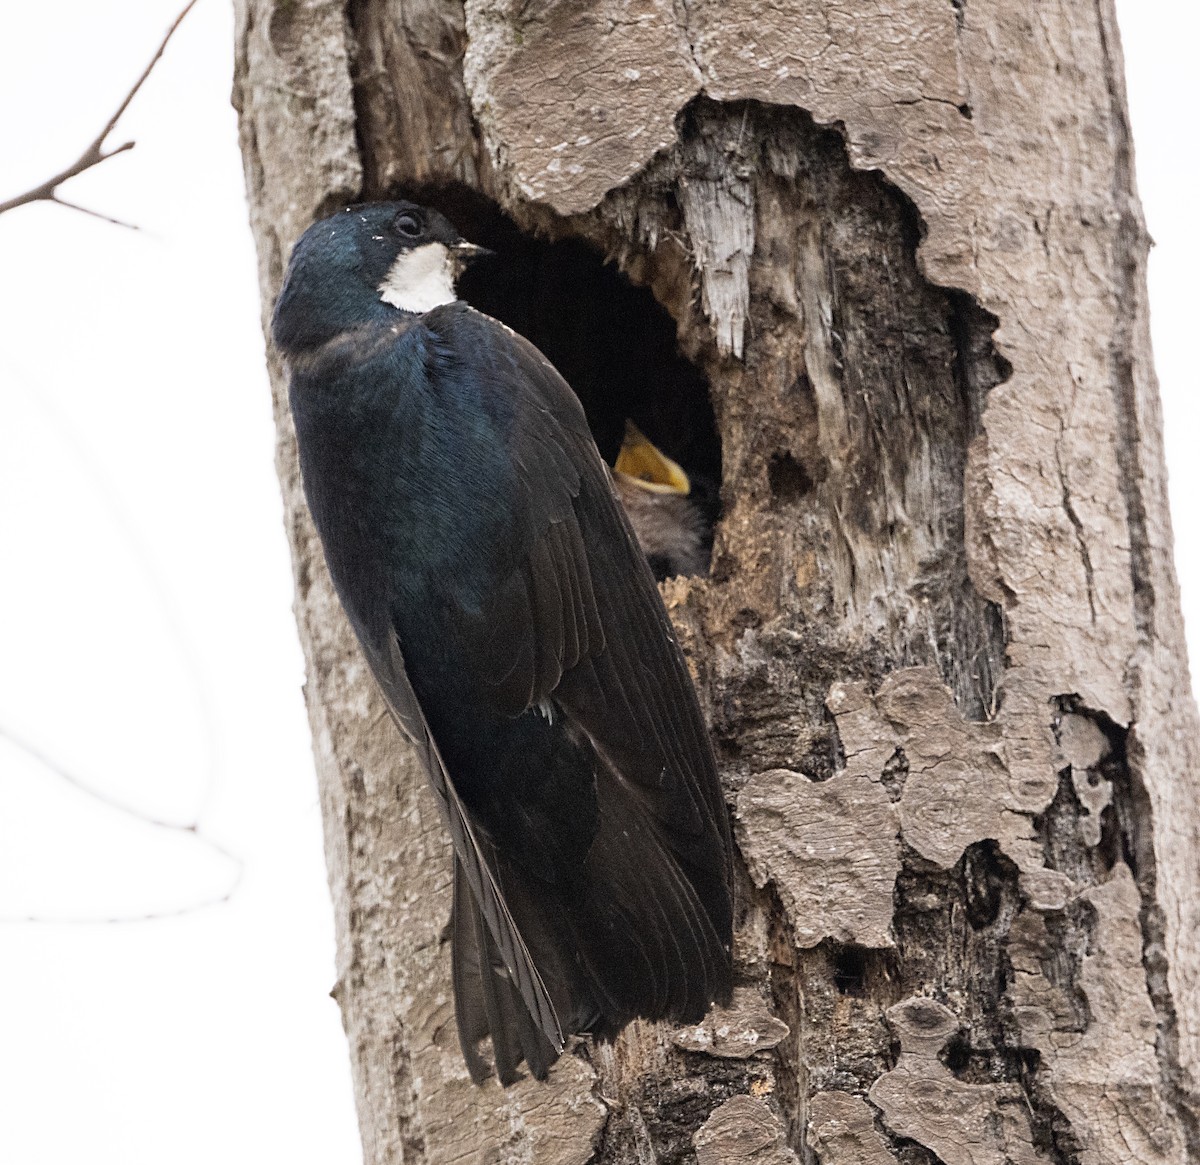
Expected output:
(145, 604)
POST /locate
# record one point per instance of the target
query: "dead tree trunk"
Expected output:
(939, 646)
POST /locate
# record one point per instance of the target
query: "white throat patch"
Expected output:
(420, 280)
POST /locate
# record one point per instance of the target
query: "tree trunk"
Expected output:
(939, 645)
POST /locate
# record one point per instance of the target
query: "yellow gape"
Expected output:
(647, 465)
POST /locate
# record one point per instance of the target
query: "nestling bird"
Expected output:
(654, 491)
(518, 637)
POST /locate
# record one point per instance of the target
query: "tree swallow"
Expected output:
(654, 493)
(519, 640)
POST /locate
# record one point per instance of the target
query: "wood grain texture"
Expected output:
(743, 1129)
(842, 1131)
(940, 643)
(830, 849)
(963, 1123)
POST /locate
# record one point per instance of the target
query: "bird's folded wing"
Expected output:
(539, 622)
(578, 622)
(480, 878)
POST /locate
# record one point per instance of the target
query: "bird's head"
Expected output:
(364, 263)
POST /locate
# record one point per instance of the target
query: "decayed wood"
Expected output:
(940, 644)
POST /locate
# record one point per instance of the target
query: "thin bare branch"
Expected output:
(117, 222)
(192, 827)
(95, 152)
(50, 764)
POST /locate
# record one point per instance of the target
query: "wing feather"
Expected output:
(582, 592)
(574, 620)
(480, 877)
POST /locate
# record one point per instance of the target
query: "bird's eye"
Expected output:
(408, 224)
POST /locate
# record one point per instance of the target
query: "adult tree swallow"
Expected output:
(518, 638)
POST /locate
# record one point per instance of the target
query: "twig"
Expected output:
(117, 222)
(95, 153)
(41, 396)
(191, 827)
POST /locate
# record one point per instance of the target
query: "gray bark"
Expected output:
(939, 646)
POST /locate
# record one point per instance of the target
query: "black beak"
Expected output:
(464, 254)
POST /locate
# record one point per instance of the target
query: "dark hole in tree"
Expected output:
(983, 883)
(956, 1055)
(850, 969)
(614, 343)
(789, 480)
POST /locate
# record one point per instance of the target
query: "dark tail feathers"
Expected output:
(641, 942)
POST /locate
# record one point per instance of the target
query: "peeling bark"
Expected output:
(962, 1123)
(939, 647)
(841, 1132)
(743, 1129)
